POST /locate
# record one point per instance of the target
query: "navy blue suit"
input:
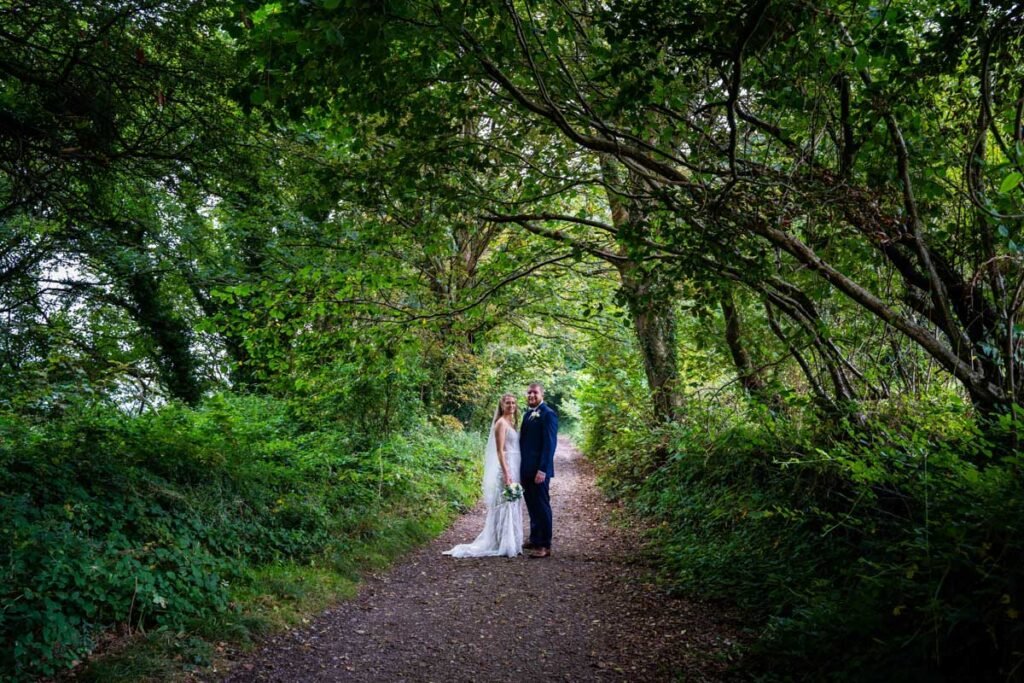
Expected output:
(538, 438)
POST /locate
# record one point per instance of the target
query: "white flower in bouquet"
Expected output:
(512, 492)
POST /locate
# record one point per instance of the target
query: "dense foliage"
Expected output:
(261, 263)
(158, 521)
(887, 553)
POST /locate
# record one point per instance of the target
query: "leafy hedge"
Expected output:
(887, 552)
(154, 521)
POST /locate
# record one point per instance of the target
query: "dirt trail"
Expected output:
(589, 612)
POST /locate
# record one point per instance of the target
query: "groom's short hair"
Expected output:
(536, 385)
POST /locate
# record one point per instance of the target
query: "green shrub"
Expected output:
(891, 551)
(152, 521)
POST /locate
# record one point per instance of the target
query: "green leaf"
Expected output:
(1009, 182)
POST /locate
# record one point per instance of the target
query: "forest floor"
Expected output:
(591, 611)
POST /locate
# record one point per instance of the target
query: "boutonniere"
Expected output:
(533, 413)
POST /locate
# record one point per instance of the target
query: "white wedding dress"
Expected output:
(503, 529)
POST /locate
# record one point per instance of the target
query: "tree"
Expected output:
(757, 143)
(109, 112)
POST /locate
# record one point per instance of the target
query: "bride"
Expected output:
(503, 529)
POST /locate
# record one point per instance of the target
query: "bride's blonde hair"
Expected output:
(500, 411)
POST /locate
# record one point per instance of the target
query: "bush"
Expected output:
(886, 552)
(146, 522)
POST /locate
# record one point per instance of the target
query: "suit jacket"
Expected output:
(538, 438)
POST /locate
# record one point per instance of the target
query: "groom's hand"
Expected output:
(539, 478)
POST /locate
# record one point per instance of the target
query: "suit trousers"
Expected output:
(538, 504)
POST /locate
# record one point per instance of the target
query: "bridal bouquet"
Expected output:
(512, 492)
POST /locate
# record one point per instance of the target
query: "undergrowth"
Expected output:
(881, 550)
(183, 529)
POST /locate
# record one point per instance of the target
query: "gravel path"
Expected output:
(587, 613)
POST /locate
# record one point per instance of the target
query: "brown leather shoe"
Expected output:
(539, 553)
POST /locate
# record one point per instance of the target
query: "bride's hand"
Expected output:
(508, 480)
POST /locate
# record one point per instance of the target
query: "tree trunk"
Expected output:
(749, 377)
(154, 313)
(169, 333)
(650, 297)
(654, 322)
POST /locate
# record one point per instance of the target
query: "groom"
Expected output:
(538, 437)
